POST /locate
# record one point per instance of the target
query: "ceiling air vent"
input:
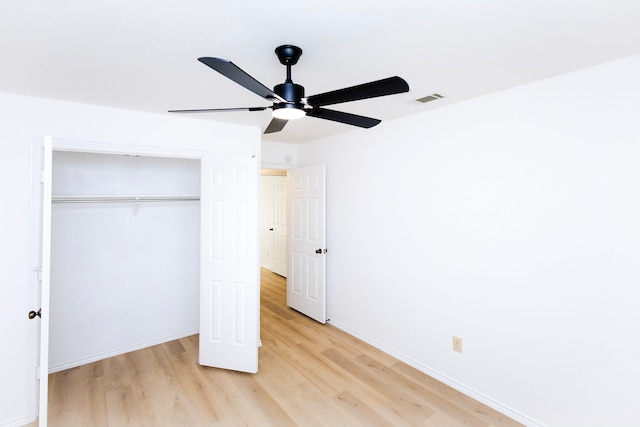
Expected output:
(429, 98)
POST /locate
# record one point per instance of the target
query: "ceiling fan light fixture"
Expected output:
(288, 112)
(288, 98)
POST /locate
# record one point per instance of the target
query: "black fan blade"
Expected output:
(342, 117)
(389, 86)
(276, 125)
(219, 110)
(235, 73)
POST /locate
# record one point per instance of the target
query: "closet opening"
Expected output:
(224, 256)
(125, 254)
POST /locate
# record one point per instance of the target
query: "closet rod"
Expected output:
(122, 199)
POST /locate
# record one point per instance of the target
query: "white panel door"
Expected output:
(45, 280)
(279, 227)
(306, 281)
(229, 275)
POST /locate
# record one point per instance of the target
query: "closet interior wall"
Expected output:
(124, 275)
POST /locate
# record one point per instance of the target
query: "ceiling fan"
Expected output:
(289, 102)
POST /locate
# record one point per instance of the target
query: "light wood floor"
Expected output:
(310, 375)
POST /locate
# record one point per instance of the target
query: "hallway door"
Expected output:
(306, 281)
(279, 227)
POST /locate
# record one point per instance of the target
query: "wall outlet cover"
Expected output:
(457, 344)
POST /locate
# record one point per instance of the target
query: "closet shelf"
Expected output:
(122, 199)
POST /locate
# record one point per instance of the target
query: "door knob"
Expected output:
(33, 314)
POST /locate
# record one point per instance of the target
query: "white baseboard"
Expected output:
(503, 409)
(95, 358)
(15, 422)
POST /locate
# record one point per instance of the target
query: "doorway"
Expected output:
(273, 220)
(296, 204)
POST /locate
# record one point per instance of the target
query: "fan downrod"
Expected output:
(288, 54)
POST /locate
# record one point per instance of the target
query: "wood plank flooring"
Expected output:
(310, 375)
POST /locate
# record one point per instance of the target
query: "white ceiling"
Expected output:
(142, 54)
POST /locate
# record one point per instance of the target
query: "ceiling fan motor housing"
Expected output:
(290, 91)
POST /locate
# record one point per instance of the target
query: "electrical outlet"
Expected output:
(457, 344)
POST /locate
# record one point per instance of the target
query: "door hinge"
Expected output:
(37, 372)
(41, 176)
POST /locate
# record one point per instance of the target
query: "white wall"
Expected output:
(276, 155)
(27, 117)
(123, 276)
(511, 221)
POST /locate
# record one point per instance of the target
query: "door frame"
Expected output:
(35, 400)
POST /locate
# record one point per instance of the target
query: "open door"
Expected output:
(45, 282)
(306, 279)
(229, 274)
